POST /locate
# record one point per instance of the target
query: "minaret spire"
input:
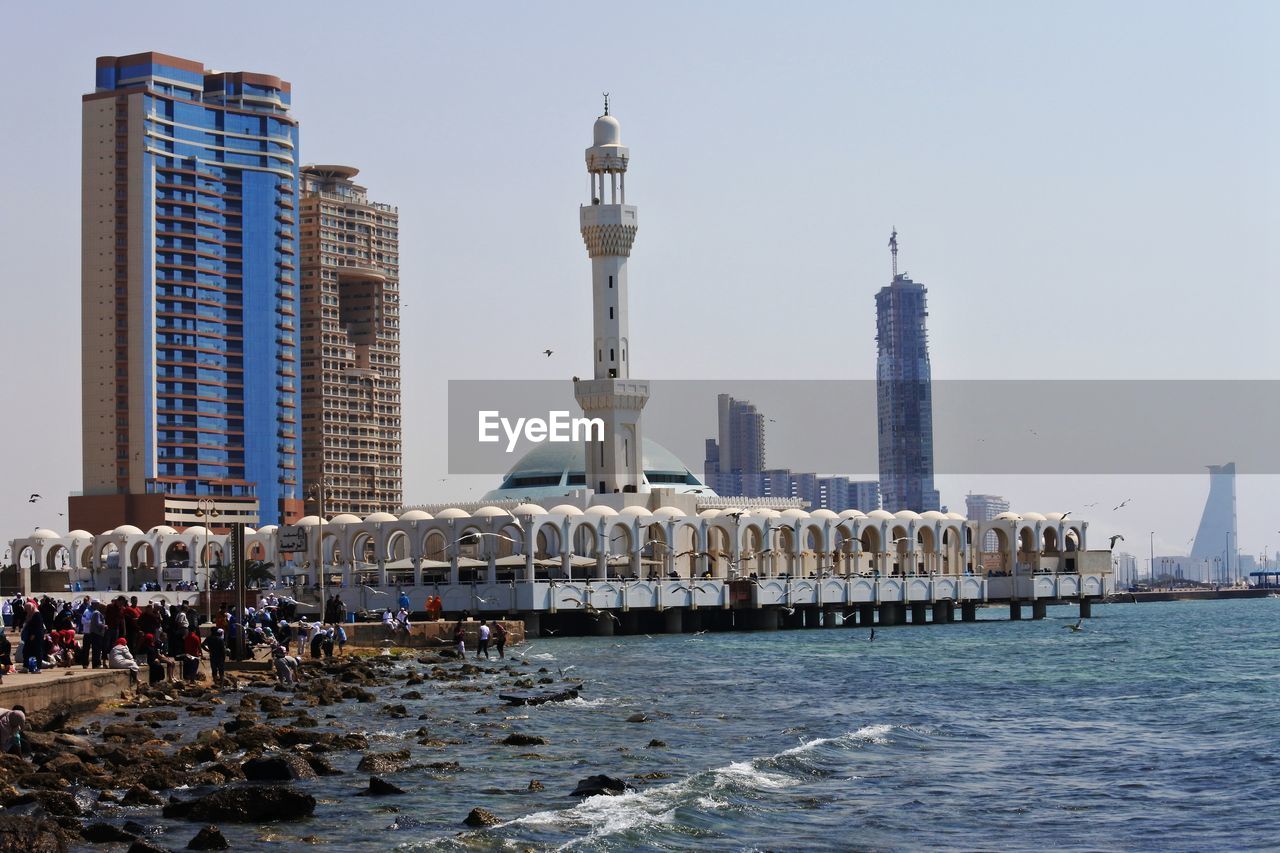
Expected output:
(608, 223)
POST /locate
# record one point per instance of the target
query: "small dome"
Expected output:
(607, 131)
(345, 518)
(45, 533)
(1008, 516)
(599, 510)
(197, 530)
(1033, 516)
(268, 528)
(709, 513)
(416, 515)
(381, 516)
(668, 512)
(528, 509)
(794, 513)
(161, 530)
(79, 534)
(127, 530)
(853, 513)
(765, 512)
(1055, 516)
(880, 515)
(955, 516)
(823, 513)
(932, 515)
(907, 515)
(635, 512)
(452, 512)
(564, 509)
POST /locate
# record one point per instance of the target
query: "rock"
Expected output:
(383, 762)
(321, 766)
(59, 803)
(66, 765)
(142, 845)
(395, 711)
(411, 695)
(535, 785)
(381, 788)
(538, 698)
(277, 768)
(105, 833)
(209, 838)
(600, 784)
(657, 744)
(132, 733)
(481, 817)
(651, 776)
(271, 703)
(161, 778)
(27, 834)
(245, 804)
(163, 716)
(517, 739)
(138, 795)
(638, 717)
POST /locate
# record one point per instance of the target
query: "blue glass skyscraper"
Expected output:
(190, 181)
(904, 395)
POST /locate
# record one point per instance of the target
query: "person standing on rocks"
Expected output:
(191, 660)
(216, 645)
(11, 723)
(460, 639)
(500, 639)
(484, 640)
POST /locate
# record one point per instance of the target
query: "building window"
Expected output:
(611, 282)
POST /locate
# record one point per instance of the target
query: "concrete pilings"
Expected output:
(766, 619)
(828, 619)
(943, 612)
(1015, 611)
(919, 613)
(969, 611)
(1086, 608)
(532, 624)
(866, 615)
(892, 613)
(1038, 609)
(604, 625)
(673, 620)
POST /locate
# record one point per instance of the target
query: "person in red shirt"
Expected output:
(192, 656)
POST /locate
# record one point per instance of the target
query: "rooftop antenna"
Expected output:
(893, 249)
(606, 102)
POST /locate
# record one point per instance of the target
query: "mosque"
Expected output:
(617, 525)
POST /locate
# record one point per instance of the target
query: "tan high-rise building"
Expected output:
(350, 344)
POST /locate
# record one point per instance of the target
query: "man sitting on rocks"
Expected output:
(121, 658)
(11, 723)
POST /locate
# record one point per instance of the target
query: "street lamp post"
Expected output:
(316, 493)
(207, 511)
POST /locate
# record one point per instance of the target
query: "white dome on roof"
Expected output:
(528, 509)
(161, 530)
(765, 512)
(1054, 516)
(668, 512)
(127, 530)
(850, 514)
(1033, 516)
(600, 510)
(195, 530)
(416, 515)
(709, 513)
(79, 534)
(907, 515)
(552, 470)
(1008, 516)
(880, 515)
(268, 528)
(381, 516)
(794, 513)
(452, 512)
(44, 533)
(955, 516)
(606, 131)
(345, 518)
(635, 512)
(564, 509)
(823, 512)
(490, 512)
(932, 515)
(305, 521)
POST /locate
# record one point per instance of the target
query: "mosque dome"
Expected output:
(607, 131)
(43, 533)
(553, 469)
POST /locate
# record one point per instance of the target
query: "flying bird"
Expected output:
(1114, 539)
(33, 498)
(1076, 628)
(372, 590)
(1123, 504)
(1065, 514)
(547, 352)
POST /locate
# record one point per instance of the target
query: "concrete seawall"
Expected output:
(426, 634)
(80, 689)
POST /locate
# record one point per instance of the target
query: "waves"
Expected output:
(693, 806)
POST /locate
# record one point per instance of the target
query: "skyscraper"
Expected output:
(903, 394)
(608, 225)
(350, 343)
(188, 351)
(985, 508)
(1216, 536)
(738, 454)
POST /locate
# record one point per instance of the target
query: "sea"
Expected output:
(1152, 728)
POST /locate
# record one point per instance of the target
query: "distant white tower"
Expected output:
(609, 228)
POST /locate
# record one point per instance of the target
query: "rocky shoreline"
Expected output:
(256, 747)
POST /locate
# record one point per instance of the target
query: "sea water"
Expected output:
(1150, 729)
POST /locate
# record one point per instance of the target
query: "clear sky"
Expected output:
(1088, 189)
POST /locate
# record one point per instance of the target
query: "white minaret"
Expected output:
(609, 229)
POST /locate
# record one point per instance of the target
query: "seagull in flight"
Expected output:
(1114, 539)
(523, 651)
(34, 497)
(1076, 628)
(1123, 504)
(372, 590)
(789, 610)
(547, 352)
(550, 632)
